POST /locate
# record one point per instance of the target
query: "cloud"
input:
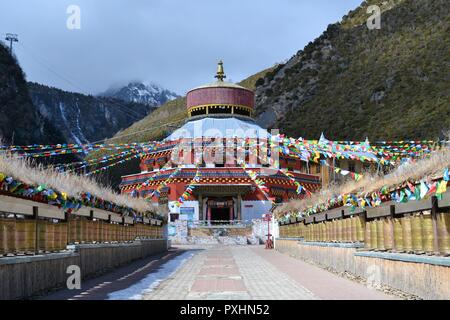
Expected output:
(175, 43)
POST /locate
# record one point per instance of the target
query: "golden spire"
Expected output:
(220, 75)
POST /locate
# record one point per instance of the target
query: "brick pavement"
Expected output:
(251, 272)
(225, 273)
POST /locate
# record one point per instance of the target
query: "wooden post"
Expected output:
(391, 225)
(434, 209)
(36, 230)
(66, 218)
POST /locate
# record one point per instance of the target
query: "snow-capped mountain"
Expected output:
(140, 92)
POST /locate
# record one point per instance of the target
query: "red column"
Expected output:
(231, 213)
(209, 214)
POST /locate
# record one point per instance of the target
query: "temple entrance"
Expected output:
(220, 210)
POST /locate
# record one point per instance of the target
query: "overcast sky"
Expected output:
(175, 43)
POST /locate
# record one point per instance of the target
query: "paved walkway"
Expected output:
(248, 272)
(219, 272)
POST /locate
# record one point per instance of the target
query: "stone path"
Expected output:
(221, 272)
(251, 272)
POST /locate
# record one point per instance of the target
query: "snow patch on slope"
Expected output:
(152, 280)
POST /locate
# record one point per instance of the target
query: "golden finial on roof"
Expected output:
(220, 75)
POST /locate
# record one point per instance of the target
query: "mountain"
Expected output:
(352, 82)
(20, 122)
(85, 118)
(149, 94)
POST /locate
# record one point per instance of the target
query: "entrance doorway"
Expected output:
(220, 210)
(222, 214)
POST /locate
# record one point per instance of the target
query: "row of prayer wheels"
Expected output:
(90, 231)
(412, 233)
(24, 236)
(349, 229)
(21, 236)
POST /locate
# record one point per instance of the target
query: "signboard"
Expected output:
(172, 230)
(187, 213)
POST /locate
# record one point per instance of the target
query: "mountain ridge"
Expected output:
(352, 82)
(20, 123)
(85, 118)
(147, 93)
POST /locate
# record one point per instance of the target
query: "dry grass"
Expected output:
(427, 168)
(74, 185)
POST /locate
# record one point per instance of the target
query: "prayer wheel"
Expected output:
(119, 229)
(353, 236)
(130, 232)
(407, 233)
(329, 225)
(417, 237)
(324, 231)
(398, 235)
(380, 234)
(25, 235)
(295, 228)
(351, 229)
(116, 232)
(443, 226)
(388, 233)
(112, 227)
(107, 230)
(63, 235)
(314, 232)
(42, 229)
(75, 230)
(57, 236)
(367, 236)
(345, 230)
(98, 231)
(334, 230)
(359, 228)
(373, 235)
(84, 225)
(427, 232)
(339, 231)
(50, 236)
(87, 230)
(155, 231)
(124, 233)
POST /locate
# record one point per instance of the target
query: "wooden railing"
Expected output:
(27, 227)
(419, 227)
